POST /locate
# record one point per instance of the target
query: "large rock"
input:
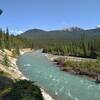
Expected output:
(98, 78)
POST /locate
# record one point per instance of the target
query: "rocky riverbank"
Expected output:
(77, 66)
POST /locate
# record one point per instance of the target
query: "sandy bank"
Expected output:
(53, 57)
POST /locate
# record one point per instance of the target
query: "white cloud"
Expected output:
(19, 31)
(16, 32)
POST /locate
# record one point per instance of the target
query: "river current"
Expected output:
(61, 85)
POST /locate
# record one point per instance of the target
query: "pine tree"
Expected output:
(7, 39)
(32, 46)
(2, 44)
(15, 52)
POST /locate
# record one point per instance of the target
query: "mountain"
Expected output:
(67, 33)
(71, 29)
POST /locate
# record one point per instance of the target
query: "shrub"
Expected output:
(5, 61)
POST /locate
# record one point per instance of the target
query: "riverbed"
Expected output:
(61, 85)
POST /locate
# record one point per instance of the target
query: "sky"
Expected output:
(21, 15)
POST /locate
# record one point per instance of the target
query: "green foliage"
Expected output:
(90, 68)
(2, 73)
(88, 48)
(77, 42)
(18, 89)
(24, 90)
(5, 85)
(74, 34)
(15, 52)
(82, 46)
(9, 42)
(5, 61)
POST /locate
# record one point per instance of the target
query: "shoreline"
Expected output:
(15, 73)
(52, 58)
(72, 58)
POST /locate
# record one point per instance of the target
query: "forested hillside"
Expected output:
(9, 42)
(74, 41)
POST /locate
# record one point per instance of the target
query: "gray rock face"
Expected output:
(98, 78)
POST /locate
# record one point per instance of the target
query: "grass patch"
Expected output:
(90, 68)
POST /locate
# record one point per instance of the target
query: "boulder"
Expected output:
(98, 78)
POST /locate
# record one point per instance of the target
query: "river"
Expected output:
(59, 84)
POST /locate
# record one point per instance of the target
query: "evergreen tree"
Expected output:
(32, 46)
(5, 61)
(15, 52)
(2, 44)
(7, 40)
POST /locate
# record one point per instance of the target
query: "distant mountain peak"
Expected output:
(66, 33)
(98, 26)
(71, 29)
(37, 30)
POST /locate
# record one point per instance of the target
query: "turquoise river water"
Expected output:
(61, 85)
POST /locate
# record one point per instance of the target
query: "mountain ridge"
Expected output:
(68, 33)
